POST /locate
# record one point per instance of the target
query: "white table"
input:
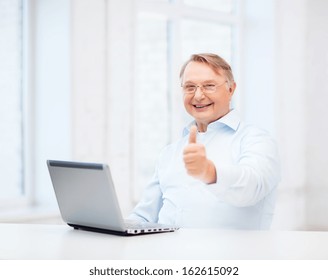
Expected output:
(31, 241)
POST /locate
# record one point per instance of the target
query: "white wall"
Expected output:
(88, 52)
(301, 67)
(290, 51)
(316, 66)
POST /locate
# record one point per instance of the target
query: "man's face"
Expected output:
(206, 107)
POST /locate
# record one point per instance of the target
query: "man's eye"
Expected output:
(209, 86)
(190, 87)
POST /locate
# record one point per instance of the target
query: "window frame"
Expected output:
(25, 198)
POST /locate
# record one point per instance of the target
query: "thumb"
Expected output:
(193, 134)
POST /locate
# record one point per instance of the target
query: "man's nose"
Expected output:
(199, 93)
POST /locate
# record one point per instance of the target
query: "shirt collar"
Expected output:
(231, 120)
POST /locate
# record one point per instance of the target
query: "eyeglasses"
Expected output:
(208, 88)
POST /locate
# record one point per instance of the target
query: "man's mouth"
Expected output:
(200, 106)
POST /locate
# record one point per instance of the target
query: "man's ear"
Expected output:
(232, 88)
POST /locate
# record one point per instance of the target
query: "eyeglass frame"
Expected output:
(203, 90)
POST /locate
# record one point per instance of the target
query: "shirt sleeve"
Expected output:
(148, 208)
(254, 175)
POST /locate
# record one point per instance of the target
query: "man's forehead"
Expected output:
(194, 65)
(198, 69)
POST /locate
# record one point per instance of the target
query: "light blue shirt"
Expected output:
(248, 172)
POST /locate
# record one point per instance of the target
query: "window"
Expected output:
(225, 6)
(167, 33)
(11, 107)
(152, 110)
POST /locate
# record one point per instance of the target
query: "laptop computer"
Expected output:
(87, 199)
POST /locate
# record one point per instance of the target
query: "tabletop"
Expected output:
(38, 241)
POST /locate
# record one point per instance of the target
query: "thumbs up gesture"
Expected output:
(195, 160)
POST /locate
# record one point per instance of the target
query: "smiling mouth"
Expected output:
(202, 106)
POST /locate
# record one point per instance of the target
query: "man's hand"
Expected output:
(196, 162)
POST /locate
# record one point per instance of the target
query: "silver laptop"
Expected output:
(87, 199)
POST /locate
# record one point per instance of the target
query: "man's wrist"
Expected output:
(210, 173)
